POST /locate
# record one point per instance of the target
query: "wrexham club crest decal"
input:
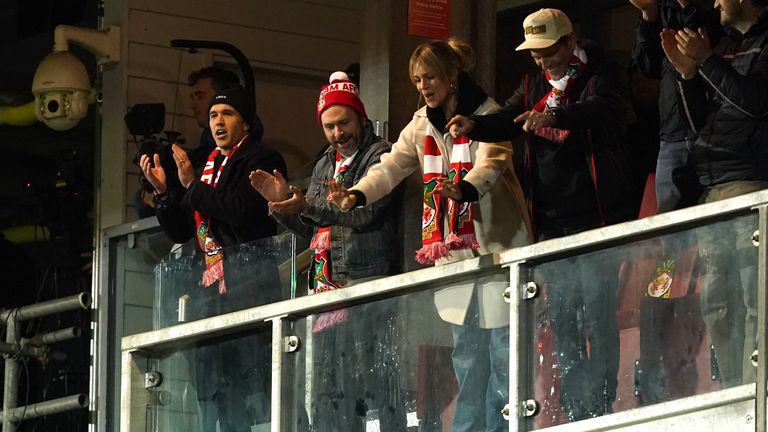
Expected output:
(429, 217)
(661, 285)
(462, 215)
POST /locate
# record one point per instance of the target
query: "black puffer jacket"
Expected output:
(727, 102)
(238, 212)
(649, 58)
(584, 182)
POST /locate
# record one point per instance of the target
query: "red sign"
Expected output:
(429, 18)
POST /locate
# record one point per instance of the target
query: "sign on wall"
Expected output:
(429, 18)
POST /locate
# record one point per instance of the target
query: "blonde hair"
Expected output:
(445, 59)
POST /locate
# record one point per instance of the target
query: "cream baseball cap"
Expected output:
(543, 28)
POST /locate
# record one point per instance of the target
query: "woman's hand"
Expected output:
(448, 189)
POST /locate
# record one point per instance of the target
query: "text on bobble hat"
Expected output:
(340, 91)
(340, 86)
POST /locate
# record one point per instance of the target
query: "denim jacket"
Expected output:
(364, 239)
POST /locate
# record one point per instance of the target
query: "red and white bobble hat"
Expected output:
(340, 91)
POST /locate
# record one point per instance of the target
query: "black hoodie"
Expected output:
(584, 182)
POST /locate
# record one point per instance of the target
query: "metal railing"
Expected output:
(740, 405)
(16, 349)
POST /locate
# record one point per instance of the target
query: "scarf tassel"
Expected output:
(429, 253)
(321, 240)
(328, 320)
(215, 273)
(463, 241)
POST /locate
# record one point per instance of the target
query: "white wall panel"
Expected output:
(292, 45)
(337, 20)
(263, 46)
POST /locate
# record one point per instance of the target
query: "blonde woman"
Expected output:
(473, 205)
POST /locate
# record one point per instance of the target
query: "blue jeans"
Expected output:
(481, 363)
(729, 288)
(677, 185)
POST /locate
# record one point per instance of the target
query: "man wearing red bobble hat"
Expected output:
(349, 247)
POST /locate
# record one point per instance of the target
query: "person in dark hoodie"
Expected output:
(220, 209)
(677, 185)
(725, 94)
(574, 112)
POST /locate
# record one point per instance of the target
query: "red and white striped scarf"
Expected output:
(323, 279)
(561, 93)
(214, 256)
(461, 235)
(321, 241)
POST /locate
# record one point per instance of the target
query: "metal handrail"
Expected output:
(168, 338)
(160, 342)
(11, 413)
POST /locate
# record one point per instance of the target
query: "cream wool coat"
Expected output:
(500, 220)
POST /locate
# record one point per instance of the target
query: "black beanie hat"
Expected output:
(237, 98)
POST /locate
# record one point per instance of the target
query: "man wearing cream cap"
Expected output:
(573, 114)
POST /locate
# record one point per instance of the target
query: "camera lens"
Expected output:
(53, 106)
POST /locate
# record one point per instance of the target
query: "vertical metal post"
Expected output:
(134, 397)
(105, 408)
(517, 354)
(10, 387)
(294, 266)
(762, 324)
(126, 391)
(278, 339)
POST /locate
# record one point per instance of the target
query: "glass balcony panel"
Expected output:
(133, 259)
(255, 274)
(399, 364)
(646, 322)
(215, 385)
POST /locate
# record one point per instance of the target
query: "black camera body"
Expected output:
(146, 122)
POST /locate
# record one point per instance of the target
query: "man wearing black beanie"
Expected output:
(221, 201)
(221, 209)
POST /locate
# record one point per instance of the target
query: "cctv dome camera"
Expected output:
(61, 87)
